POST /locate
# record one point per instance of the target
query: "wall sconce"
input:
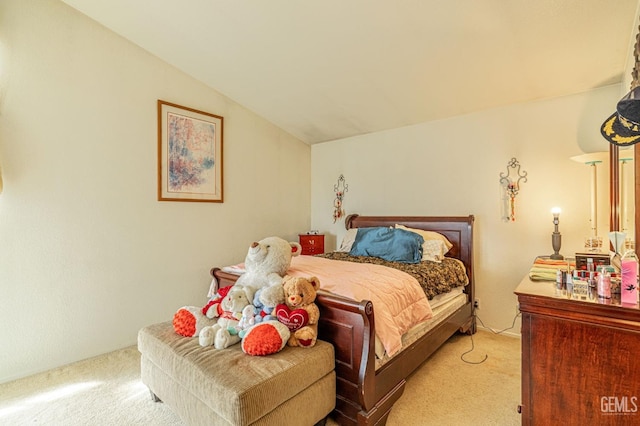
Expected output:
(556, 238)
(339, 188)
(511, 184)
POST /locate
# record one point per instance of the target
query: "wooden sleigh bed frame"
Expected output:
(365, 396)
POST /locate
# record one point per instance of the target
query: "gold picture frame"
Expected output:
(189, 154)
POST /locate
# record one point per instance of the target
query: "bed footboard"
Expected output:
(349, 326)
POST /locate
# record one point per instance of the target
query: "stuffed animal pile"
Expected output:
(297, 320)
(264, 309)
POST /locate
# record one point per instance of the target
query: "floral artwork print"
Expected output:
(189, 154)
(191, 148)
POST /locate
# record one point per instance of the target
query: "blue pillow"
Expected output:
(394, 245)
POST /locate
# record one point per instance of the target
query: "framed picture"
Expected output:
(189, 154)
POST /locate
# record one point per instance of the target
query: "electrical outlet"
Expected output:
(476, 304)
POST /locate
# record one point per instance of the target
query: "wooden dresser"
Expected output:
(312, 243)
(580, 359)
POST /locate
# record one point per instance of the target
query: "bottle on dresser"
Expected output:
(604, 282)
(629, 275)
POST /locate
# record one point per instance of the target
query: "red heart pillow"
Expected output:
(293, 319)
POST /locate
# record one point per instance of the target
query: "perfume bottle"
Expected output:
(629, 272)
(569, 285)
(604, 282)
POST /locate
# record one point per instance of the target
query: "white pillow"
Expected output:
(435, 244)
(347, 240)
(434, 250)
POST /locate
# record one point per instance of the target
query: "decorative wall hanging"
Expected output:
(511, 185)
(339, 188)
(189, 154)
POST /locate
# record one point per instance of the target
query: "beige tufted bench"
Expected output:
(205, 386)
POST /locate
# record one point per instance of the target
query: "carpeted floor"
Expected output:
(448, 391)
(106, 390)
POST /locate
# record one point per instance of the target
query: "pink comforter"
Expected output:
(398, 300)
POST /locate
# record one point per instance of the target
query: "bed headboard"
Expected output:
(457, 229)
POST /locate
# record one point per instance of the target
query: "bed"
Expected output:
(366, 387)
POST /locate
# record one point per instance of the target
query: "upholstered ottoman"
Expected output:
(205, 386)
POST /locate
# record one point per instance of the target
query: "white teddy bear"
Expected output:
(267, 261)
(224, 332)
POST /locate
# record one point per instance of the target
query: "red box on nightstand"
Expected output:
(312, 243)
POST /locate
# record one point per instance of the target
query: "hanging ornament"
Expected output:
(340, 188)
(512, 187)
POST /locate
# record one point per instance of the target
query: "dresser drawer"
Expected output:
(312, 244)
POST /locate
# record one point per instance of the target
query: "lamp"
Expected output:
(556, 238)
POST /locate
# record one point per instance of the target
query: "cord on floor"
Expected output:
(471, 350)
(513, 324)
(490, 329)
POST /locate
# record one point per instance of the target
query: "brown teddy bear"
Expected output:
(300, 313)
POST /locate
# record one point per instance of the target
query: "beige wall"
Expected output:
(87, 254)
(453, 167)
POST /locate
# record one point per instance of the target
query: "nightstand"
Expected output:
(312, 243)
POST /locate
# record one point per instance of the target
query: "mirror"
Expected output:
(624, 174)
(619, 163)
(622, 191)
(636, 205)
(635, 82)
(614, 188)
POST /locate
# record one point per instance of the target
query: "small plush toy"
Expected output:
(266, 301)
(224, 332)
(249, 318)
(264, 335)
(299, 312)
(188, 321)
(212, 309)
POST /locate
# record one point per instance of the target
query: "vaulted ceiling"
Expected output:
(325, 70)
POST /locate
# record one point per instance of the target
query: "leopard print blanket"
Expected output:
(435, 278)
